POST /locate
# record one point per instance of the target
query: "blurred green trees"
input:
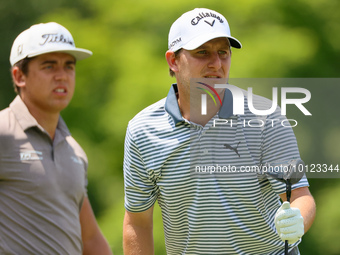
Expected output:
(128, 72)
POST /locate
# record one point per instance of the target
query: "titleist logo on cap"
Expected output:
(203, 15)
(55, 38)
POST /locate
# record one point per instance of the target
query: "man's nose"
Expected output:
(215, 61)
(61, 73)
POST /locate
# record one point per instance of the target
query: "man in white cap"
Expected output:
(43, 170)
(229, 214)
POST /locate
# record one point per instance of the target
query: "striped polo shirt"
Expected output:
(211, 203)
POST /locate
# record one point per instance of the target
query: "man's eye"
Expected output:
(202, 52)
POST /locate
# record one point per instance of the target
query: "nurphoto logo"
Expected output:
(238, 97)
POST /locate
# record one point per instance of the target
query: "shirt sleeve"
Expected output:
(140, 190)
(279, 146)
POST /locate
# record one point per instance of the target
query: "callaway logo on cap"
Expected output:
(45, 38)
(198, 26)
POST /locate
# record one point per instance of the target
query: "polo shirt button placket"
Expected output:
(201, 132)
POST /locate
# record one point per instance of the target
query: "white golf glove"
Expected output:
(289, 223)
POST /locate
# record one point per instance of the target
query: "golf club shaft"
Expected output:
(288, 194)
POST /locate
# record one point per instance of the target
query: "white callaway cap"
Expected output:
(197, 27)
(45, 38)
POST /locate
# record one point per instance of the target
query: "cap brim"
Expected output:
(78, 53)
(198, 41)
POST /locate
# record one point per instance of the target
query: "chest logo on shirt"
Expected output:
(31, 155)
(228, 146)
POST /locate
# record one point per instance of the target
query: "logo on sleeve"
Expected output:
(77, 160)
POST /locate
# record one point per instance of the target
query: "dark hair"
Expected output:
(172, 73)
(23, 66)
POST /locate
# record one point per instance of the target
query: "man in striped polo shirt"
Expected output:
(196, 165)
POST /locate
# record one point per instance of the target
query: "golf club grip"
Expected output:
(286, 247)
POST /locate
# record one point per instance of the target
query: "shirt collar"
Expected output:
(171, 104)
(226, 111)
(26, 120)
(172, 108)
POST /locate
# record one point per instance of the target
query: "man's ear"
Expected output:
(171, 59)
(18, 77)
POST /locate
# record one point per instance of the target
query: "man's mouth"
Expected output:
(212, 76)
(60, 90)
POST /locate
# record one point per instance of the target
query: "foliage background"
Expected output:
(128, 72)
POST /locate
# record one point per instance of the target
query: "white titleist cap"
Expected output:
(197, 27)
(45, 38)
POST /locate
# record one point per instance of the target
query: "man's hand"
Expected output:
(289, 223)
